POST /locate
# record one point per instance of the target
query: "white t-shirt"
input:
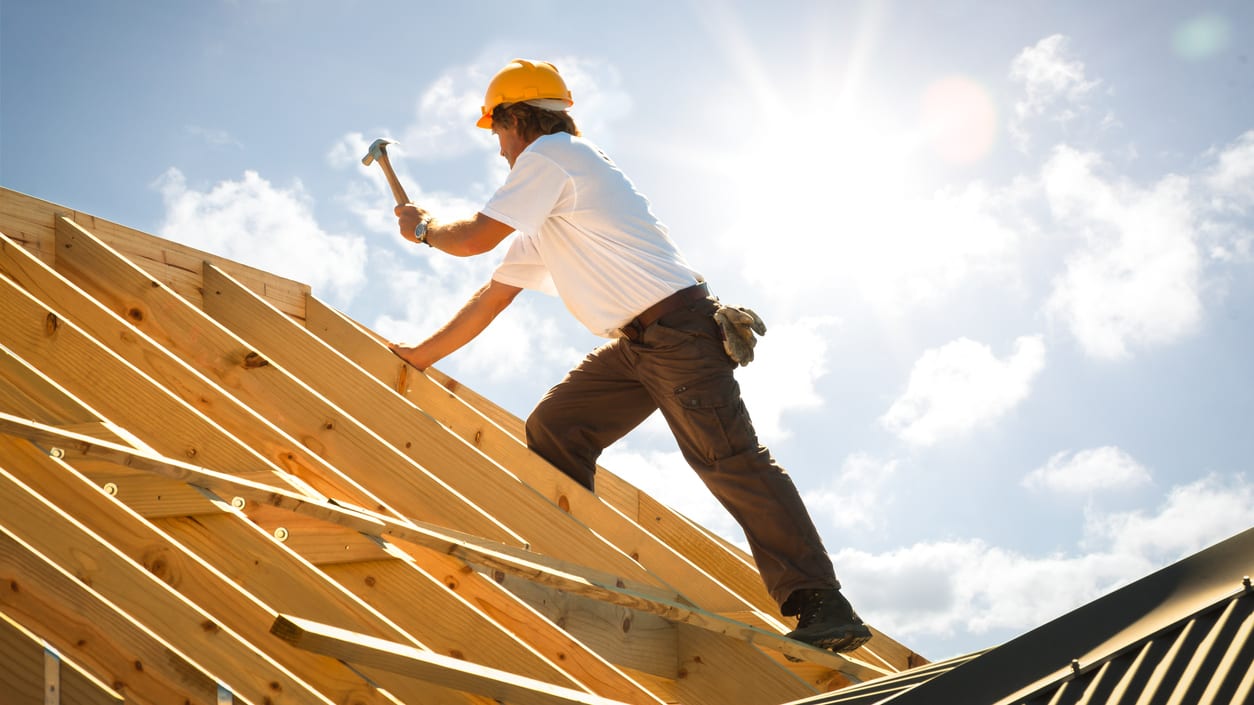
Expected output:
(585, 234)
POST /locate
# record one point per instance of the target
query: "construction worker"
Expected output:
(586, 235)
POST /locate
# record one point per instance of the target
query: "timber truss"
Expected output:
(218, 489)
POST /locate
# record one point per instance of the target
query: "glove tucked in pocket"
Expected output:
(739, 326)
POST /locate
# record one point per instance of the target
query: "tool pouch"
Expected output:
(740, 327)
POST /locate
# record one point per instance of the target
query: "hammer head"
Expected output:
(377, 150)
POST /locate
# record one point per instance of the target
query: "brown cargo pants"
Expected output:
(678, 365)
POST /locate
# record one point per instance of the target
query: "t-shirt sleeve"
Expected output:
(529, 194)
(524, 268)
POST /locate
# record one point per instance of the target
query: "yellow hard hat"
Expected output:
(524, 80)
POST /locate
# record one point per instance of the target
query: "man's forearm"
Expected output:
(482, 308)
(463, 238)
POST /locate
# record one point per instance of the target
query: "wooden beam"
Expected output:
(60, 350)
(24, 391)
(498, 434)
(541, 522)
(364, 651)
(161, 585)
(28, 662)
(395, 588)
(30, 221)
(638, 640)
(540, 569)
(77, 622)
(211, 424)
(481, 480)
(268, 408)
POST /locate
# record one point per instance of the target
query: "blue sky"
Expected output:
(1004, 249)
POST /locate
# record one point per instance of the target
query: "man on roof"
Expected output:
(587, 235)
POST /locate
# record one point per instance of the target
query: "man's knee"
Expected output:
(554, 444)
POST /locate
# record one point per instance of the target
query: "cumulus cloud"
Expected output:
(788, 363)
(1231, 180)
(272, 228)
(961, 386)
(855, 496)
(1096, 469)
(1054, 84)
(667, 477)
(1136, 278)
(944, 587)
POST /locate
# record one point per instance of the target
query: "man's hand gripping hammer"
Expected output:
(378, 152)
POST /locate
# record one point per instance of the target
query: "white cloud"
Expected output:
(1232, 178)
(1105, 468)
(444, 124)
(788, 362)
(945, 587)
(667, 477)
(1193, 516)
(961, 386)
(855, 497)
(253, 222)
(444, 121)
(1054, 83)
(1135, 280)
(213, 136)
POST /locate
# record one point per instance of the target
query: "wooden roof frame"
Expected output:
(203, 451)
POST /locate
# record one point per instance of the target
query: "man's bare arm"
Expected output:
(482, 308)
(463, 238)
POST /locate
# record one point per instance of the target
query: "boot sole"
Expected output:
(846, 638)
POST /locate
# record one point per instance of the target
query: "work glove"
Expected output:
(739, 325)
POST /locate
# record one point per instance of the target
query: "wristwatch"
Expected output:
(420, 231)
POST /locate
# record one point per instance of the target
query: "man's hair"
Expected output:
(532, 121)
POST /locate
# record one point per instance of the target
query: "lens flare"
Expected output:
(959, 119)
(1201, 37)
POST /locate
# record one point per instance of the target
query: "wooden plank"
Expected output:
(498, 434)
(369, 652)
(171, 590)
(30, 221)
(472, 474)
(443, 623)
(633, 639)
(491, 557)
(58, 349)
(542, 523)
(76, 621)
(271, 390)
(267, 408)
(234, 422)
(25, 392)
(390, 588)
(28, 662)
(21, 662)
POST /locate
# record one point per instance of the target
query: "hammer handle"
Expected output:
(397, 191)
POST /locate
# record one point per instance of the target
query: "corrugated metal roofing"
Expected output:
(1202, 659)
(1183, 635)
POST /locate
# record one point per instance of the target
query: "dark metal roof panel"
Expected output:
(1205, 659)
(1179, 636)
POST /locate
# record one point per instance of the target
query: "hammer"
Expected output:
(379, 152)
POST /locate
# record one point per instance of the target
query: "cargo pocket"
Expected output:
(712, 418)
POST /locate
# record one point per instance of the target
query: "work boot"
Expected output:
(825, 619)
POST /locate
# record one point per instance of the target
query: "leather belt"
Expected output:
(634, 328)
